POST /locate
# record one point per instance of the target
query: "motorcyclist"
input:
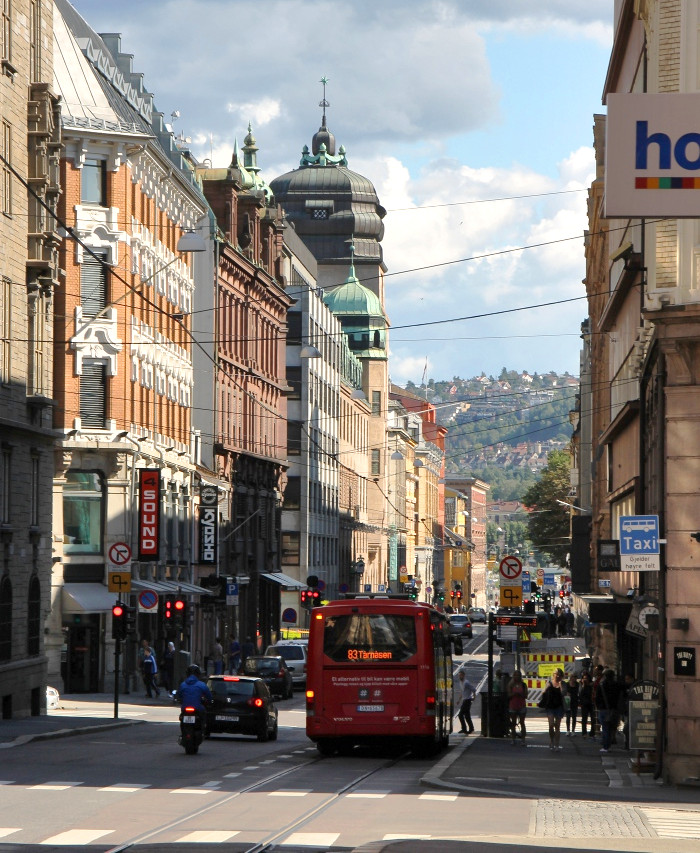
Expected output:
(193, 692)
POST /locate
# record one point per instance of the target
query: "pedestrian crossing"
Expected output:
(673, 823)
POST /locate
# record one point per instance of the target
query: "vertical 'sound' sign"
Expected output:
(149, 513)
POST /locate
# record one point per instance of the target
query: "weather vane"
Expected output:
(324, 103)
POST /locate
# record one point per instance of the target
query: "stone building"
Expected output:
(643, 342)
(29, 277)
(123, 372)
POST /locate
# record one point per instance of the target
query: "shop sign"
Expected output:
(149, 514)
(207, 534)
(684, 661)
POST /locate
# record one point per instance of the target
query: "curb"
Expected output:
(100, 727)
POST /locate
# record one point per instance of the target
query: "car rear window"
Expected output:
(369, 638)
(288, 652)
(231, 688)
(253, 666)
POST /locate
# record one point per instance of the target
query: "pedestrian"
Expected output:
(234, 655)
(553, 703)
(606, 699)
(498, 681)
(167, 667)
(217, 656)
(585, 699)
(561, 622)
(466, 697)
(598, 670)
(570, 622)
(517, 705)
(247, 649)
(149, 668)
(571, 703)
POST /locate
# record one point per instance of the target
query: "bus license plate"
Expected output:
(188, 719)
(224, 719)
(370, 707)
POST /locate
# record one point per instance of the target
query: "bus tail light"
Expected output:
(310, 702)
(430, 704)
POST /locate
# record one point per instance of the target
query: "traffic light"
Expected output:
(180, 609)
(130, 619)
(528, 606)
(458, 592)
(118, 621)
(452, 593)
(314, 597)
(547, 603)
(305, 599)
(168, 608)
(561, 593)
(413, 593)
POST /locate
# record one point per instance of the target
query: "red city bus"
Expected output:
(378, 668)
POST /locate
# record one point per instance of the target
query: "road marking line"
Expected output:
(447, 797)
(366, 796)
(54, 786)
(8, 830)
(311, 839)
(191, 791)
(231, 775)
(124, 788)
(288, 793)
(204, 835)
(77, 836)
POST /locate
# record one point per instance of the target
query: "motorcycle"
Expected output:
(191, 729)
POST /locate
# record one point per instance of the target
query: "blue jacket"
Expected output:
(192, 691)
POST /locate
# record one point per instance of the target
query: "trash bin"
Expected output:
(498, 715)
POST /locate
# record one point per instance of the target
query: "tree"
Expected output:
(548, 523)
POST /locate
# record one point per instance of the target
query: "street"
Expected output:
(134, 788)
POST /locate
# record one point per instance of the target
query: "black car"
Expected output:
(242, 705)
(459, 625)
(274, 672)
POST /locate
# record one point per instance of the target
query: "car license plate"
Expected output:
(224, 719)
(189, 719)
(370, 707)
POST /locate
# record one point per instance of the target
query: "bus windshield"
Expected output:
(369, 637)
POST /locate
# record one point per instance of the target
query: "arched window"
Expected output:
(34, 617)
(5, 619)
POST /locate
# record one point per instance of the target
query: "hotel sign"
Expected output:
(652, 155)
(149, 514)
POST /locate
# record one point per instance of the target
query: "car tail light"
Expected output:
(189, 710)
(256, 702)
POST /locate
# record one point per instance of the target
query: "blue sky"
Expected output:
(446, 105)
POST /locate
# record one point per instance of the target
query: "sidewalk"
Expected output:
(79, 715)
(494, 766)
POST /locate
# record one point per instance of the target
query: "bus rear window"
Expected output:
(369, 638)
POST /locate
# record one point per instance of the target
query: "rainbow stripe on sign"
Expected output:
(667, 183)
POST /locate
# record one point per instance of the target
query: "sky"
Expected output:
(472, 118)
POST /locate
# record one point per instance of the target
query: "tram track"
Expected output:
(295, 824)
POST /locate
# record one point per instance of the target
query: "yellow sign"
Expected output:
(119, 581)
(403, 578)
(511, 596)
(544, 670)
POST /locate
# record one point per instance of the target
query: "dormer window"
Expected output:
(319, 208)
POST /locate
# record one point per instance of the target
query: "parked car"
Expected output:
(477, 614)
(294, 653)
(274, 672)
(460, 625)
(242, 705)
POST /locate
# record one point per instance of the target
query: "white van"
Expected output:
(295, 653)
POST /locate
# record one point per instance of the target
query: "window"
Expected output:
(290, 549)
(35, 40)
(93, 395)
(93, 183)
(5, 619)
(292, 493)
(5, 485)
(319, 214)
(375, 463)
(6, 143)
(6, 34)
(34, 617)
(368, 638)
(6, 331)
(293, 438)
(294, 381)
(93, 284)
(376, 404)
(83, 496)
(34, 492)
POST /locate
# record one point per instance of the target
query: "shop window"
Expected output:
(34, 617)
(5, 619)
(83, 499)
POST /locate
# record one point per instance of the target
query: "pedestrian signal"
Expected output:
(168, 608)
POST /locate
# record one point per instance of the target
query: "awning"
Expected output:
(169, 587)
(604, 608)
(87, 598)
(285, 581)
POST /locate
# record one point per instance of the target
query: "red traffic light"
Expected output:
(179, 605)
(118, 611)
(304, 596)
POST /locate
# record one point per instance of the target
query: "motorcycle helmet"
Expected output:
(193, 669)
